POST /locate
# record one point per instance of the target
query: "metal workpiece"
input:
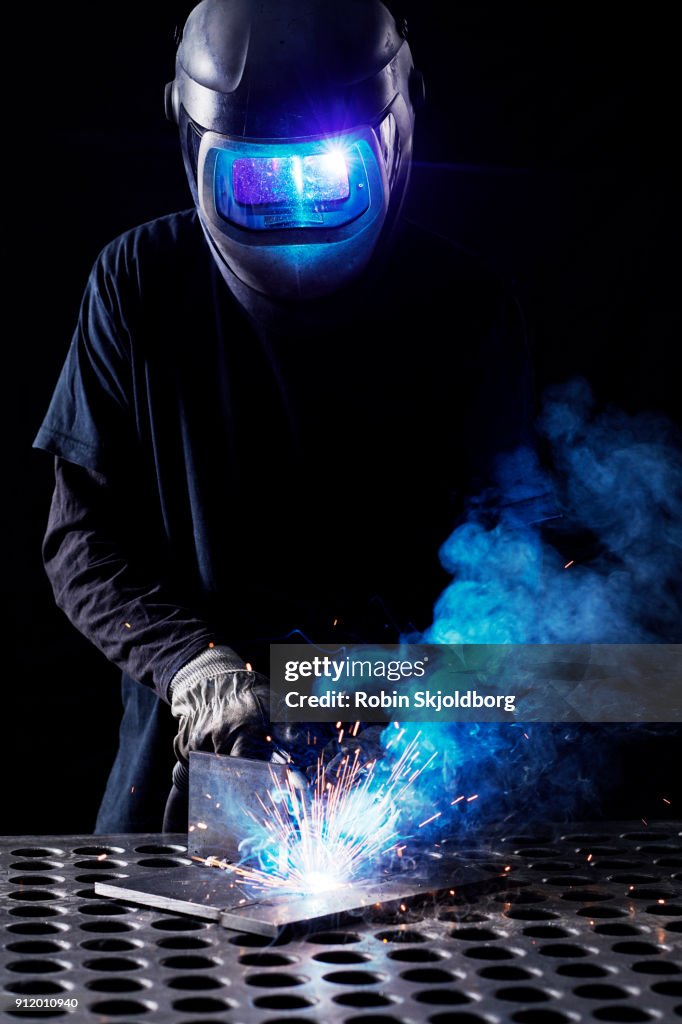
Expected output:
(221, 792)
(564, 925)
(217, 895)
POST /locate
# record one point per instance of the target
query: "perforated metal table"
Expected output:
(587, 926)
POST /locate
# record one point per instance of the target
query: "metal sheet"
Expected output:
(587, 929)
(221, 791)
(214, 894)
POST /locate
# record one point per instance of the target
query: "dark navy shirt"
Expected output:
(231, 478)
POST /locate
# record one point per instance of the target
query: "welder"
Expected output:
(274, 402)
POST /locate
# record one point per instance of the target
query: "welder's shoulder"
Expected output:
(156, 249)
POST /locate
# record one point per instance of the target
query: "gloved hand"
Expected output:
(222, 707)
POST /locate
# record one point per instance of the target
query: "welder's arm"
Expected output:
(112, 593)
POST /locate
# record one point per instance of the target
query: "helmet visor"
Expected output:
(299, 184)
(287, 180)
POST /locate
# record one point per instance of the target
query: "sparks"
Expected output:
(395, 739)
(212, 862)
(432, 818)
(569, 564)
(665, 800)
(470, 798)
(102, 856)
(327, 838)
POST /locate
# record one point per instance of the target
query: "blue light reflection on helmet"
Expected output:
(315, 183)
(289, 179)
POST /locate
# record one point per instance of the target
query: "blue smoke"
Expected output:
(604, 567)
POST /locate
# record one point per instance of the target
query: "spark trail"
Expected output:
(334, 834)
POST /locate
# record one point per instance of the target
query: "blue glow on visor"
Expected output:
(317, 183)
(290, 179)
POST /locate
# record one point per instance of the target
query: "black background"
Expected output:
(546, 146)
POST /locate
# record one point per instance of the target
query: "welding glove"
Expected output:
(222, 707)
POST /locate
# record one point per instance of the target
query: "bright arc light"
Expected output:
(311, 843)
(317, 882)
(334, 162)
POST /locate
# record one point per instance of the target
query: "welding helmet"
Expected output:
(296, 120)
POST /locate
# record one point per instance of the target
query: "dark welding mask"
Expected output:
(296, 120)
